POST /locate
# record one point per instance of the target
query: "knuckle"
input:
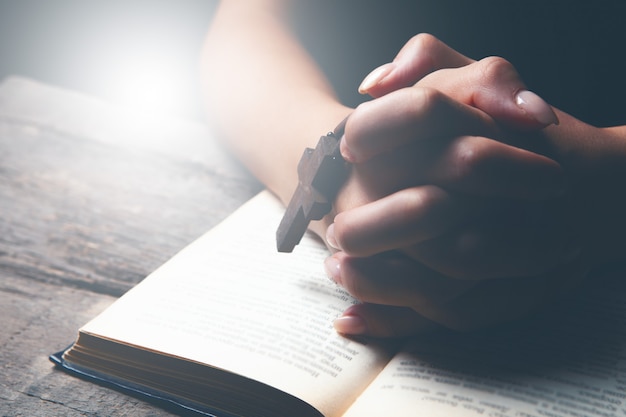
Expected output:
(420, 51)
(410, 201)
(496, 67)
(413, 209)
(468, 249)
(426, 102)
(425, 42)
(425, 212)
(419, 199)
(469, 156)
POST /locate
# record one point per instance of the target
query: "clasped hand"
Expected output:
(458, 210)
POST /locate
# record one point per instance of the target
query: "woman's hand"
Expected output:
(422, 250)
(500, 92)
(401, 297)
(434, 176)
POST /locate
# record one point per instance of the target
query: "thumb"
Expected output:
(420, 56)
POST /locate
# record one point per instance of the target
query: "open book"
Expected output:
(230, 327)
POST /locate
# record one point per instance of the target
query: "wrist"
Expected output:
(594, 160)
(302, 131)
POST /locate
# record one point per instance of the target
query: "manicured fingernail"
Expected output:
(350, 325)
(331, 265)
(536, 107)
(330, 237)
(375, 77)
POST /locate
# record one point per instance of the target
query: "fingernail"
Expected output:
(350, 325)
(331, 265)
(375, 77)
(330, 237)
(536, 107)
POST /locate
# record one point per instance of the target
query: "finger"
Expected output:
(404, 218)
(465, 309)
(406, 116)
(394, 279)
(420, 56)
(487, 167)
(467, 164)
(376, 320)
(494, 86)
(518, 241)
(503, 300)
(470, 308)
(415, 126)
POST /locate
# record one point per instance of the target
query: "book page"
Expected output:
(569, 362)
(232, 301)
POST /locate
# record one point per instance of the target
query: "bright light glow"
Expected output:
(150, 84)
(152, 81)
(140, 54)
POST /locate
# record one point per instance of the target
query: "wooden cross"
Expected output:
(321, 172)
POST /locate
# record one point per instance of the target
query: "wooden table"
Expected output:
(92, 199)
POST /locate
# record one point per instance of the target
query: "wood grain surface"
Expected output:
(92, 199)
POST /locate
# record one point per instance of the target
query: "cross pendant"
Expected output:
(321, 172)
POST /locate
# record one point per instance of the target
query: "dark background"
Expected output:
(140, 53)
(145, 53)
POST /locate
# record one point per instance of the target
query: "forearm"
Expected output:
(265, 96)
(594, 161)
